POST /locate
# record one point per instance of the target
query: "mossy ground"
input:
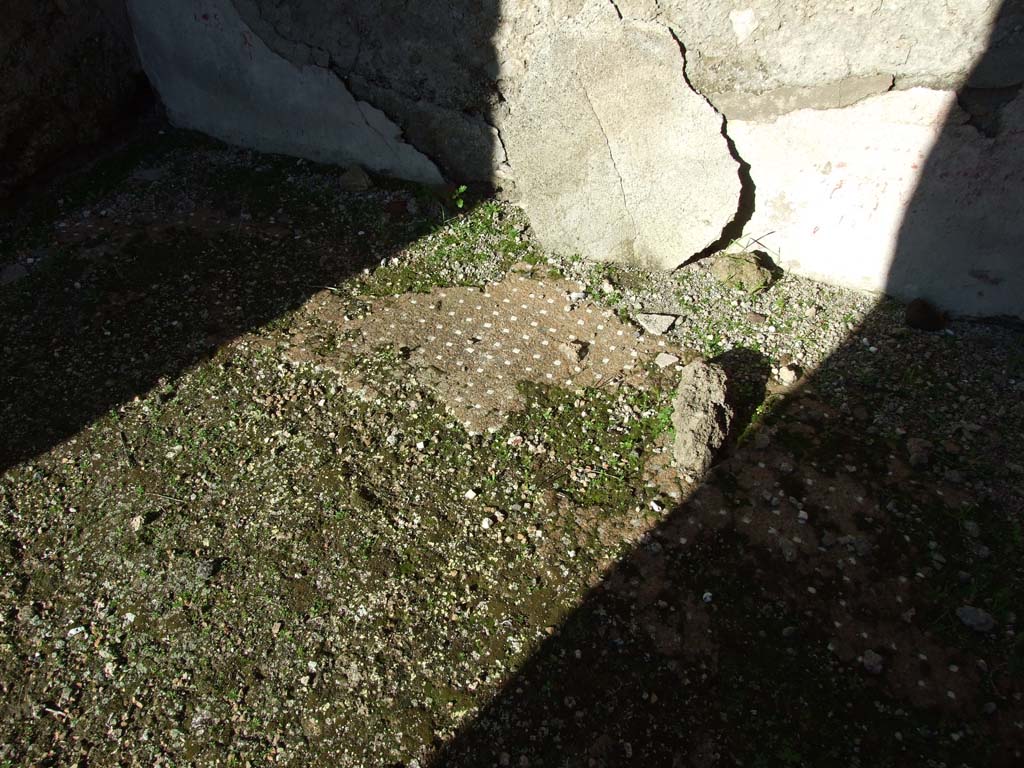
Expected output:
(213, 554)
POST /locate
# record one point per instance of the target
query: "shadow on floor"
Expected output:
(801, 607)
(118, 301)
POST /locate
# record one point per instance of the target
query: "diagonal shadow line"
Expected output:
(717, 641)
(648, 687)
(114, 313)
(154, 299)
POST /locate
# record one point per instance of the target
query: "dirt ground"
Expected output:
(295, 473)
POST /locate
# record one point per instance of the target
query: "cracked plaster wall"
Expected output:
(642, 130)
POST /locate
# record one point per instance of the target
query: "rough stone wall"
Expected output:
(68, 72)
(760, 58)
(430, 66)
(593, 177)
(652, 130)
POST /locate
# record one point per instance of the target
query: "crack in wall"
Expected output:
(501, 140)
(489, 121)
(361, 105)
(746, 202)
(611, 156)
(730, 231)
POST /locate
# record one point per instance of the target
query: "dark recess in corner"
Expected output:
(985, 107)
(125, 118)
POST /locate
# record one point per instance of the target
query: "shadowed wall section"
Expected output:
(961, 241)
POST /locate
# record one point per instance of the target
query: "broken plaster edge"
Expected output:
(322, 120)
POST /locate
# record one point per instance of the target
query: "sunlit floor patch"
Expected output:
(474, 346)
